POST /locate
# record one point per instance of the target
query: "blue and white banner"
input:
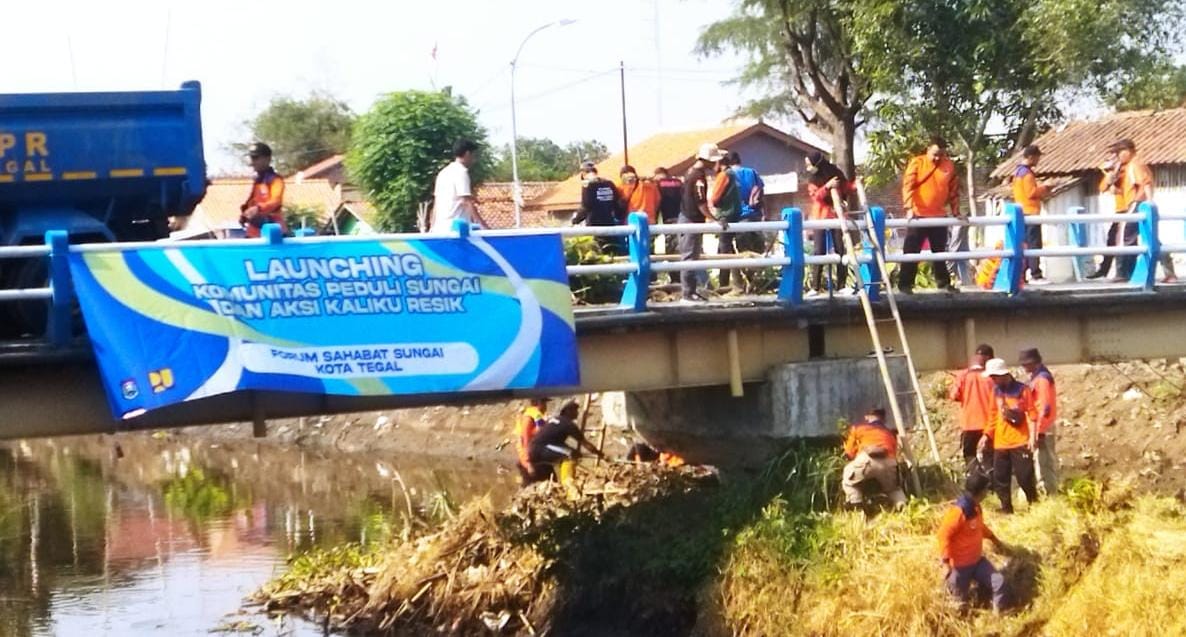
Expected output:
(171, 324)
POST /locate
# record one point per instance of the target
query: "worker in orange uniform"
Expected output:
(826, 178)
(872, 450)
(974, 393)
(962, 532)
(638, 194)
(1046, 398)
(266, 202)
(1028, 193)
(1130, 181)
(930, 188)
(528, 423)
(1014, 434)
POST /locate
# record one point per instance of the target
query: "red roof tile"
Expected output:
(220, 207)
(322, 168)
(497, 205)
(1160, 138)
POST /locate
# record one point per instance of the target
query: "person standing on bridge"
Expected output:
(872, 450)
(265, 204)
(670, 193)
(725, 202)
(1130, 181)
(825, 179)
(750, 189)
(1014, 435)
(1046, 400)
(930, 187)
(600, 206)
(694, 209)
(453, 196)
(1029, 193)
(974, 393)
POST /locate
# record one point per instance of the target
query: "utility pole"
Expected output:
(625, 141)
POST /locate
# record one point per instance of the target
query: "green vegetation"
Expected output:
(400, 145)
(198, 496)
(301, 132)
(592, 289)
(541, 159)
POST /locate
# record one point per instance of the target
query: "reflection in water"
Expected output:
(172, 536)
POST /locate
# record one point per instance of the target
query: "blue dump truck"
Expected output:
(101, 166)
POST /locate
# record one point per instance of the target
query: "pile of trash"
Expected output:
(483, 571)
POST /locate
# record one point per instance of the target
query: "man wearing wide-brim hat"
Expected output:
(1014, 430)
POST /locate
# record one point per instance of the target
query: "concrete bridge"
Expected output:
(687, 367)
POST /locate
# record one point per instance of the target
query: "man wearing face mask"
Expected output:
(638, 194)
(599, 206)
(930, 187)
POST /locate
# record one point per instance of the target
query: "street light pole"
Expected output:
(516, 188)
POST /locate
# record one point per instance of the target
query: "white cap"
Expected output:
(710, 152)
(996, 367)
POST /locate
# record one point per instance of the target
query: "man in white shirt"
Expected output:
(452, 196)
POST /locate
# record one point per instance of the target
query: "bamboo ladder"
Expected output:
(872, 320)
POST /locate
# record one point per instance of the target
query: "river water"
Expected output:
(168, 537)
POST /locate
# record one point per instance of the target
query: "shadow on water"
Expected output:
(124, 545)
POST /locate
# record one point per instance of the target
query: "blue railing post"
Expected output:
(462, 228)
(634, 295)
(870, 272)
(790, 289)
(60, 324)
(1079, 240)
(1012, 267)
(272, 234)
(1144, 273)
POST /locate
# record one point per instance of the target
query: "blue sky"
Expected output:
(248, 51)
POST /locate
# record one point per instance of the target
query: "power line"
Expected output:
(555, 89)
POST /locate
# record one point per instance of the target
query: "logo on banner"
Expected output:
(129, 389)
(161, 380)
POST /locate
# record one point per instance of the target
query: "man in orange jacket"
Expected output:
(930, 187)
(1130, 181)
(1029, 193)
(1014, 435)
(266, 202)
(962, 532)
(974, 393)
(638, 195)
(872, 450)
(1046, 400)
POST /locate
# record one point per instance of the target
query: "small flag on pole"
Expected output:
(434, 51)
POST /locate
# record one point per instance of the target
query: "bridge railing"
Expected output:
(637, 270)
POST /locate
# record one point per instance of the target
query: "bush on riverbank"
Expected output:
(662, 552)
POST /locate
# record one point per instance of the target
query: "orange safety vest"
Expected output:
(526, 427)
(1004, 434)
(267, 194)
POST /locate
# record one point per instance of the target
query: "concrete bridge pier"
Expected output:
(709, 424)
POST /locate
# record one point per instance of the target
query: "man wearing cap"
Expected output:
(1130, 181)
(600, 206)
(453, 196)
(930, 187)
(872, 450)
(1029, 193)
(1014, 434)
(974, 393)
(694, 209)
(961, 534)
(1046, 401)
(549, 453)
(265, 204)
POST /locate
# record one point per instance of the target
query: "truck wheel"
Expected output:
(30, 318)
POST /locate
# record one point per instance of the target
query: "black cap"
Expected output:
(878, 412)
(1122, 144)
(588, 166)
(1029, 356)
(1031, 151)
(627, 169)
(984, 349)
(259, 149)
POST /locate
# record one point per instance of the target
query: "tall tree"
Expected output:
(400, 145)
(541, 159)
(301, 132)
(1158, 86)
(802, 62)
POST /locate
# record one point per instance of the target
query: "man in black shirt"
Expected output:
(694, 209)
(599, 206)
(670, 192)
(549, 447)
